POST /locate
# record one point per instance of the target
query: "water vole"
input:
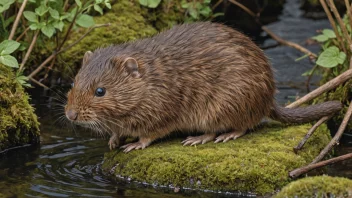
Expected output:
(194, 77)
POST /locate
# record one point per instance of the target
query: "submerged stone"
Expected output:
(319, 186)
(18, 123)
(258, 162)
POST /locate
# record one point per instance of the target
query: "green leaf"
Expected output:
(98, 9)
(184, 4)
(8, 46)
(34, 26)
(331, 57)
(30, 16)
(108, 5)
(5, 4)
(206, 11)
(150, 3)
(329, 33)
(193, 12)
(320, 38)
(207, 1)
(85, 20)
(9, 60)
(41, 10)
(59, 25)
(54, 13)
(341, 58)
(98, 1)
(79, 3)
(9, 21)
(48, 30)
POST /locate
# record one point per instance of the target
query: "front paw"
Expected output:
(141, 144)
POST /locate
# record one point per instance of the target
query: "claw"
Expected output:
(141, 144)
(198, 139)
(228, 136)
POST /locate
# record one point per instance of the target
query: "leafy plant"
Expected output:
(197, 10)
(150, 3)
(42, 20)
(6, 48)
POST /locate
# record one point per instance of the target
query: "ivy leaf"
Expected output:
(206, 11)
(48, 30)
(59, 25)
(150, 3)
(79, 3)
(41, 10)
(331, 57)
(329, 33)
(9, 60)
(85, 20)
(320, 38)
(98, 9)
(8, 46)
(30, 16)
(54, 13)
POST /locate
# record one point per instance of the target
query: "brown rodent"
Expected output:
(202, 77)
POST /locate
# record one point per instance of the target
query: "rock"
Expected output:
(18, 123)
(319, 186)
(259, 162)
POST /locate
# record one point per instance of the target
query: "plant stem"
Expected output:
(348, 10)
(342, 25)
(23, 33)
(69, 30)
(299, 171)
(18, 17)
(34, 40)
(332, 84)
(333, 24)
(41, 66)
(310, 133)
(335, 140)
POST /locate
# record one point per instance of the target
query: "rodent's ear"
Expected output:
(86, 57)
(131, 66)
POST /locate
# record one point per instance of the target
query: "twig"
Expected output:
(23, 33)
(342, 25)
(34, 40)
(40, 67)
(39, 83)
(324, 88)
(299, 171)
(216, 4)
(243, 8)
(336, 138)
(310, 133)
(68, 31)
(289, 43)
(18, 17)
(49, 68)
(333, 24)
(348, 10)
(275, 37)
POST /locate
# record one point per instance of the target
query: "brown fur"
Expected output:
(202, 76)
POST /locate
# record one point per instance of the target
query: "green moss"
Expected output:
(258, 162)
(127, 23)
(18, 124)
(319, 186)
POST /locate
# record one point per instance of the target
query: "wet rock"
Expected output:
(18, 123)
(258, 162)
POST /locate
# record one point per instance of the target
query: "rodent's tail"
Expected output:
(304, 114)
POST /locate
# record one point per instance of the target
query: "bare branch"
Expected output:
(34, 40)
(18, 17)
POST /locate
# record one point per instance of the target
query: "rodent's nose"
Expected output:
(71, 114)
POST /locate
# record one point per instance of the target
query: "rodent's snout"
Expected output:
(71, 114)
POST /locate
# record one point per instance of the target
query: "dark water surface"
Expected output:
(67, 163)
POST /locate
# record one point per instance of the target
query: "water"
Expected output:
(67, 163)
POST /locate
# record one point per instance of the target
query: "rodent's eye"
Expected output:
(72, 85)
(100, 91)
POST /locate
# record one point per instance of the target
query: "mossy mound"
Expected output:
(127, 23)
(319, 186)
(18, 123)
(259, 162)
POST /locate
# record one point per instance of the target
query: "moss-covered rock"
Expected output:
(319, 186)
(127, 23)
(258, 162)
(18, 123)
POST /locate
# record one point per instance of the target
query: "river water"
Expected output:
(67, 162)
